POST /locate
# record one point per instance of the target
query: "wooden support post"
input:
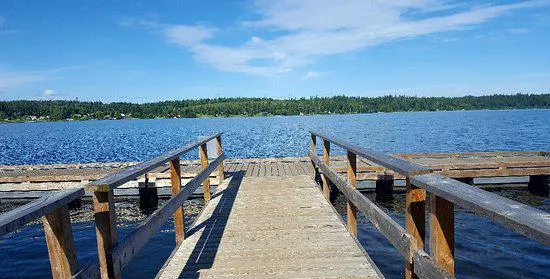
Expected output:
(221, 175)
(352, 181)
(326, 159)
(175, 177)
(314, 151)
(204, 162)
(59, 238)
(415, 219)
(539, 185)
(106, 232)
(384, 188)
(442, 240)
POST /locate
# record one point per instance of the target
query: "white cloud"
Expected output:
(313, 74)
(49, 93)
(188, 36)
(518, 31)
(301, 32)
(12, 80)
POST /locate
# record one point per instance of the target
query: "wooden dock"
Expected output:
(269, 227)
(274, 219)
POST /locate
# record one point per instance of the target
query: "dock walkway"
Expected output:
(269, 227)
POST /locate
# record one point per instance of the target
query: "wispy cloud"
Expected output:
(50, 94)
(518, 31)
(298, 33)
(13, 79)
(313, 74)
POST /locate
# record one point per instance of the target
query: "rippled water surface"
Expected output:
(483, 249)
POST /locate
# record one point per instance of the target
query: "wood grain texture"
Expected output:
(18, 217)
(415, 218)
(326, 160)
(179, 224)
(203, 152)
(132, 244)
(60, 242)
(351, 210)
(395, 234)
(269, 227)
(521, 218)
(442, 235)
(219, 151)
(106, 232)
(112, 181)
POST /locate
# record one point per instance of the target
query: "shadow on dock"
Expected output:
(205, 250)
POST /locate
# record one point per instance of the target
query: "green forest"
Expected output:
(56, 110)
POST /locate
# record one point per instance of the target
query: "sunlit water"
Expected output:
(483, 249)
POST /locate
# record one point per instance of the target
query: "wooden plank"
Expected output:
(112, 181)
(18, 217)
(131, 245)
(352, 183)
(395, 234)
(397, 164)
(221, 174)
(293, 232)
(313, 150)
(262, 169)
(179, 224)
(59, 239)
(516, 216)
(442, 239)
(326, 160)
(424, 267)
(106, 232)
(203, 152)
(415, 218)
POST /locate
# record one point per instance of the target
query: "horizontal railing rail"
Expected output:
(110, 182)
(54, 210)
(114, 256)
(444, 192)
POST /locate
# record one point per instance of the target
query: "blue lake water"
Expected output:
(483, 249)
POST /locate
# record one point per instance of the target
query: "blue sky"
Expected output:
(142, 51)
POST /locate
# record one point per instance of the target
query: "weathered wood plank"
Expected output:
(179, 224)
(60, 242)
(442, 235)
(203, 152)
(352, 183)
(326, 160)
(415, 218)
(397, 164)
(106, 232)
(18, 217)
(395, 234)
(130, 246)
(112, 181)
(516, 216)
(424, 267)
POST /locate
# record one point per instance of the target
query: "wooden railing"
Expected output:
(444, 193)
(113, 255)
(54, 210)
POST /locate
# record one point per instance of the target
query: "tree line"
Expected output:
(54, 110)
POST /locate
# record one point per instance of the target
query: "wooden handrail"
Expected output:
(112, 256)
(54, 211)
(112, 181)
(444, 193)
(130, 246)
(22, 215)
(396, 164)
(521, 218)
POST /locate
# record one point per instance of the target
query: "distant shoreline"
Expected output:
(23, 111)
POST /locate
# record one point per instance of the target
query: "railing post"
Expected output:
(106, 231)
(415, 219)
(175, 176)
(314, 151)
(59, 238)
(204, 162)
(442, 233)
(326, 159)
(352, 181)
(221, 175)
